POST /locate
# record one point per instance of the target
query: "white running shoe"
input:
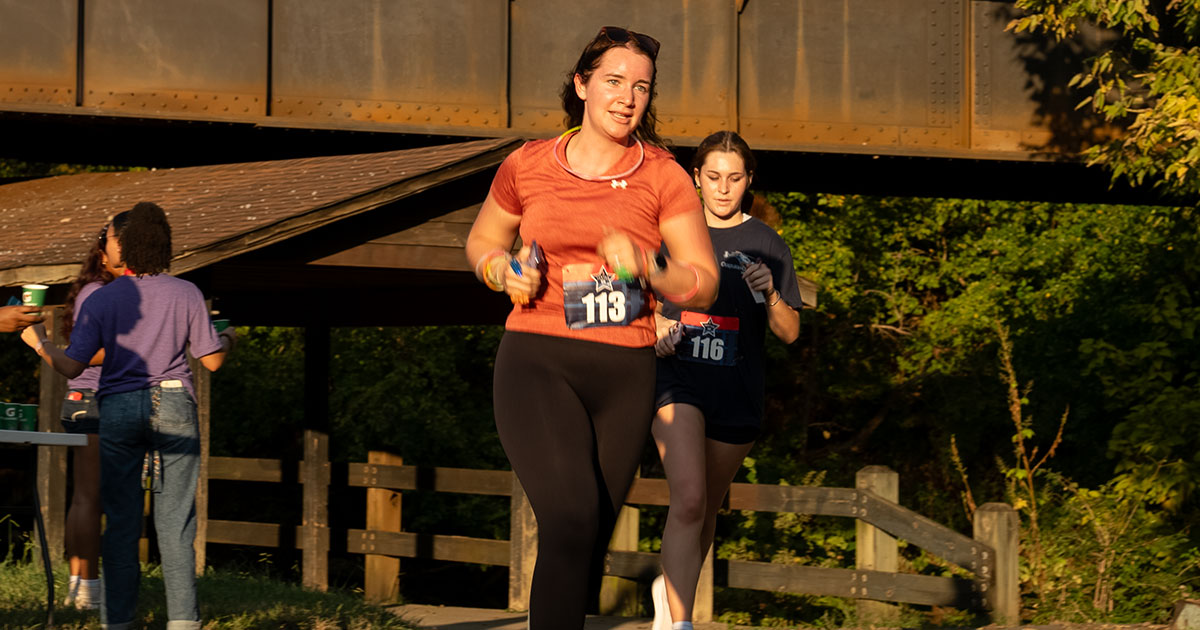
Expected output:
(662, 612)
(72, 590)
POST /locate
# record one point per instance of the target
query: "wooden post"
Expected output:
(202, 381)
(522, 548)
(874, 549)
(619, 596)
(997, 526)
(52, 461)
(382, 579)
(314, 522)
(702, 609)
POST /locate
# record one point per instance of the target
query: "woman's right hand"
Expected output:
(523, 287)
(669, 335)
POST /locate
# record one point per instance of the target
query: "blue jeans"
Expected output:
(132, 424)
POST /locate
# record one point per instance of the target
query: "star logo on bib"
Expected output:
(710, 329)
(603, 280)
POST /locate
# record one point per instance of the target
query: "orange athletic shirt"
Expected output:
(567, 215)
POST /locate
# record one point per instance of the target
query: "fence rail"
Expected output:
(990, 556)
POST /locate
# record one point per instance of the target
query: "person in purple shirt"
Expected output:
(147, 322)
(81, 414)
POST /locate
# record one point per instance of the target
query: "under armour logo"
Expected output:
(619, 183)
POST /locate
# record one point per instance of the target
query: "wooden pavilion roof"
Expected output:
(266, 236)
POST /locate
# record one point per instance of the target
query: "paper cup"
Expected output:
(10, 416)
(33, 294)
(28, 418)
(220, 324)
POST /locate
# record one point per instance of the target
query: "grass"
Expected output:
(228, 601)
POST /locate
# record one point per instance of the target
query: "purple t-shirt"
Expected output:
(145, 325)
(90, 378)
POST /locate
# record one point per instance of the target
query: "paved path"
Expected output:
(454, 618)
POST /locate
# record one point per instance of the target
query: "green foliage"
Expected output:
(1110, 555)
(19, 169)
(1144, 81)
(421, 393)
(911, 292)
(19, 378)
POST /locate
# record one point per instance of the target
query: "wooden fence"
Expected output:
(990, 557)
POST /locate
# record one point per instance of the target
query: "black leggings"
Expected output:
(573, 417)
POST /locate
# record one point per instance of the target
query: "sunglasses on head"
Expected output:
(618, 35)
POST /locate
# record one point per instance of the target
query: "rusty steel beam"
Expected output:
(929, 78)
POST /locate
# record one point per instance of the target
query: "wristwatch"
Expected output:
(656, 263)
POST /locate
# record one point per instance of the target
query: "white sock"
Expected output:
(681, 625)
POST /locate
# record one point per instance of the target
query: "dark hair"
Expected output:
(647, 129)
(761, 209)
(725, 142)
(92, 270)
(145, 238)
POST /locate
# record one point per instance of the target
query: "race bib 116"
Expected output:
(709, 339)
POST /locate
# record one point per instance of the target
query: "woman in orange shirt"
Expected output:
(574, 379)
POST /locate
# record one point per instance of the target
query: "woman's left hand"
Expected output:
(32, 334)
(621, 254)
(758, 277)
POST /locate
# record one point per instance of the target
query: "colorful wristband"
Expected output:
(496, 284)
(484, 258)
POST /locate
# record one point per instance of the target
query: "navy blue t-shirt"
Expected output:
(724, 343)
